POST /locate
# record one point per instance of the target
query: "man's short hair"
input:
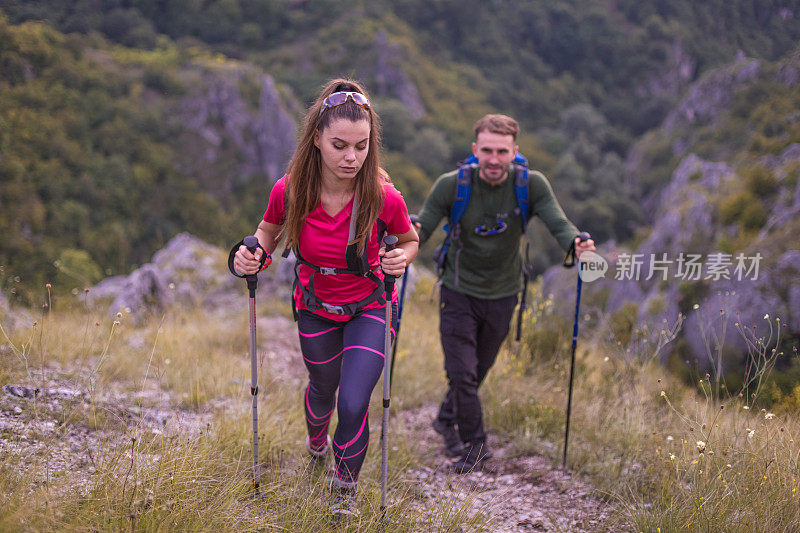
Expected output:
(500, 124)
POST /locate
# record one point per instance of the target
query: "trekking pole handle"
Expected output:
(390, 242)
(251, 243)
(569, 260)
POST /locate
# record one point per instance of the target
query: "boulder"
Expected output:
(13, 317)
(187, 272)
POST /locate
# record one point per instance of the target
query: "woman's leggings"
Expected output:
(348, 355)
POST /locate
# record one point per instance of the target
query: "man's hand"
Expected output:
(416, 223)
(584, 246)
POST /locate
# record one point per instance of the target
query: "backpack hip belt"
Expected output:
(313, 303)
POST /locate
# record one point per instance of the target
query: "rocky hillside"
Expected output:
(124, 123)
(722, 249)
(108, 152)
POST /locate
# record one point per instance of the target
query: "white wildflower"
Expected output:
(769, 416)
(701, 446)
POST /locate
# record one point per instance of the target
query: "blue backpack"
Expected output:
(453, 229)
(463, 189)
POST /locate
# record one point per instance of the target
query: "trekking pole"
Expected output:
(583, 237)
(390, 241)
(400, 299)
(523, 304)
(523, 300)
(252, 244)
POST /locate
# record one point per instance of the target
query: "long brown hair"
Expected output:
(304, 180)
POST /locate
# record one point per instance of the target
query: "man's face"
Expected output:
(495, 153)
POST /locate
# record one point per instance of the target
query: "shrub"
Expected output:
(622, 322)
(733, 206)
(76, 269)
(761, 181)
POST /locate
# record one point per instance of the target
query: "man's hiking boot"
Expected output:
(318, 455)
(452, 442)
(344, 499)
(474, 456)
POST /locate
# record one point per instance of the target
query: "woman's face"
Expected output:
(344, 146)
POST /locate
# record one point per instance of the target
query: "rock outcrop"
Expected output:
(748, 272)
(187, 272)
(763, 283)
(221, 126)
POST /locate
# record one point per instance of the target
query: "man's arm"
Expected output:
(437, 205)
(547, 208)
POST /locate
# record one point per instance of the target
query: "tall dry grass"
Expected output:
(196, 475)
(670, 457)
(673, 457)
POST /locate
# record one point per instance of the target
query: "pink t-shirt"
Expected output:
(323, 242)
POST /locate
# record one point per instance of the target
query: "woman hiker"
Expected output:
(333, 206)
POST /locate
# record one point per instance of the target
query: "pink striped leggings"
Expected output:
(348, 355)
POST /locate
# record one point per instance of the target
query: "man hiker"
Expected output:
(481, 269)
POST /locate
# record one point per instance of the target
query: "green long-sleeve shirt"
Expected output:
(490, 266)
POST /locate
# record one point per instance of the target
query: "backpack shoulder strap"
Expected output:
(521, 189)
(463, 189)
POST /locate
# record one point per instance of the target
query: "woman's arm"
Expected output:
(395, 261)
(268, 235)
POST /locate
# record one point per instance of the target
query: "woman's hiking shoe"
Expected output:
(452, 442)
(474, 456)
(318, 455)
(344, 499)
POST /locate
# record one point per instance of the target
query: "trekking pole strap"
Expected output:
(252, 244)
(571, 257)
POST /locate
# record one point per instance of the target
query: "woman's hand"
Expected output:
(247, 263)
(393, 262)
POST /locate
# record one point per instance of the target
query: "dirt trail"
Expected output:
(516, 493)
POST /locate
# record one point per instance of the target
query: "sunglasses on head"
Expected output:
(339, 98)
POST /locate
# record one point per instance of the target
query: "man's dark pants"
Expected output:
(472, 331)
